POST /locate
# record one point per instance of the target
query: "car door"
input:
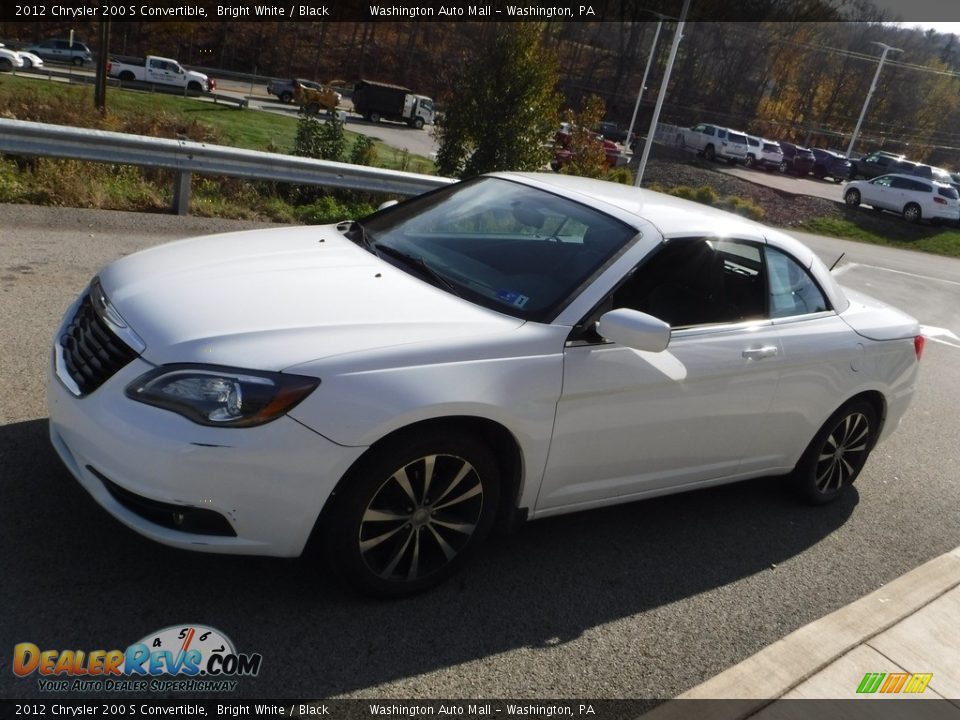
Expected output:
(630, 422)
(877, 193)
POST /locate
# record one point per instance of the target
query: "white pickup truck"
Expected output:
(153, 69)
(714, 142)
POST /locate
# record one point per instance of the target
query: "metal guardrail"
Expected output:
(19, 137)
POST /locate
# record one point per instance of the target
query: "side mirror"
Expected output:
(385, 205)
(634, 329)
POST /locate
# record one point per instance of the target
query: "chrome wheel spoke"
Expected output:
(372, 515)
(465, 528)
(369, 544)
(415, 560)
(403, 480)
(448, 551)
(388, 570)
(428, 464)
(465, 469)
(472, 492)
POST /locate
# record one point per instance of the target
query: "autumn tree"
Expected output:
(503, 107)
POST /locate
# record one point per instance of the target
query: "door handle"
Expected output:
(760, 352)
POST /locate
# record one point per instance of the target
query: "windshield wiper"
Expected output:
(417, 262)
(360, 238)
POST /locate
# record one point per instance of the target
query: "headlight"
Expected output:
(220, 396)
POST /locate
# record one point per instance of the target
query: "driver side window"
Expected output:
(691, 282)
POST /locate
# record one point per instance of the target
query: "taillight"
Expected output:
(939, 200)
(109, 67)
(918, 342)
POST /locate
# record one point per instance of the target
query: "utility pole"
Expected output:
(643, 83)
(663, 93)
(873, 87)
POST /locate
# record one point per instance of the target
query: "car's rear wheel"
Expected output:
(912, 213)
(750, 161)
(410, 514)
(784, 167)
(126, 75)
(852, 197)
(837, 453)
(286, 96)
(78, 61)
(709, 153)
(375, 117)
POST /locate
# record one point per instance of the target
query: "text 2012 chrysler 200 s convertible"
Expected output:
(516, 345)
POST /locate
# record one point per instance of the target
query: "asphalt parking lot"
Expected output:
(638, 601)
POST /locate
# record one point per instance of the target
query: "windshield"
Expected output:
(501, 244)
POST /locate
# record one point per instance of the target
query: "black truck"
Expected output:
(377, 101)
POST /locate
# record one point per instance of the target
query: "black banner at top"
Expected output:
(464, 10)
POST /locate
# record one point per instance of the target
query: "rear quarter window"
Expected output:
(949, 192)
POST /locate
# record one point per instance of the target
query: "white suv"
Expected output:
(763, 153)
(912, 197)
(714, 142)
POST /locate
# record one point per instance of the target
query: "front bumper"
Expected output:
(269, 482)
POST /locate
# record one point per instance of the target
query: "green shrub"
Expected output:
(364, 151)
(622, 175)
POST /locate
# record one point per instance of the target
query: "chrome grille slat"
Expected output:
(92, 353)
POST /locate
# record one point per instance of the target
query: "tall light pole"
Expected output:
(663, 93)
(873, 87)
(643, 83)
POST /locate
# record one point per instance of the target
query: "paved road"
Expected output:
(397, 135)
(642, 600)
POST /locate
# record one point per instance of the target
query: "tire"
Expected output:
(417, 123)
(127, 75)
(750, 162)
(837, 453)
(375, 117)
(286, 97)
(852, 197)
(78, 62)
(5, 65)
(27, 64)
(194, 86)
(388, 537)
(912, 213)
(709, 153)
(784, 168)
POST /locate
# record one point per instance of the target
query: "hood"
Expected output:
(270, 299)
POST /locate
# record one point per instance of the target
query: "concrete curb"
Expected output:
(782, 666)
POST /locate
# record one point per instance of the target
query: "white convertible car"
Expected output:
(513, 346)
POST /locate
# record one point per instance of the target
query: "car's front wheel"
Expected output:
(411, 513)
(912, 213)
(852, 197)
(837, 453)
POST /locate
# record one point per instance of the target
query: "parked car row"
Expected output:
(714, 141)
(11, 59)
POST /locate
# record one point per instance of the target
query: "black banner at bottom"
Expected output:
(651, 709)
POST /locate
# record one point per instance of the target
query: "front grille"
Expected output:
(92, 353)
(198, 521)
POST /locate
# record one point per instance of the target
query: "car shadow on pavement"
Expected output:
(76, 578)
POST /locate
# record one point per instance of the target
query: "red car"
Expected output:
(615, 153)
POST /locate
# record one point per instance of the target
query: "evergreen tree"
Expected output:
(504, 107)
